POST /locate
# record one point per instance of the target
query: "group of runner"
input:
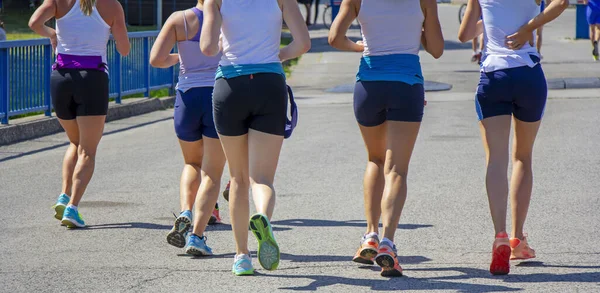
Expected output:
(232, 103)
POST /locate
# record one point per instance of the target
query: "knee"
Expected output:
(262, 180)
(395, 176)
(376, 160)
(86, 155)
(524, 160)
(242, 182)
(212, 182)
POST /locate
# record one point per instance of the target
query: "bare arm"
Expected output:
(301, 39)
(525, 33)
(341, 24)
(161, 56)
(37, 21)
(118, 29)
(471, 27)
(211, 28)
(432, 37)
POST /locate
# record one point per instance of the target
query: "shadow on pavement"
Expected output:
(132, 225)
(380, 284)
(64, 144)
(331, 223)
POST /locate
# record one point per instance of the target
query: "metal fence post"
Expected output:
(4, 84)
(47, 74)
(146, 61)
(173, 82)
(118, 75)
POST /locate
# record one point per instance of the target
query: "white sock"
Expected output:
(72, 207)
(371, 235)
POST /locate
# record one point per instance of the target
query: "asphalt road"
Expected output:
(444, 238)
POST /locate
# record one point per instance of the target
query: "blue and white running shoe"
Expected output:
(60, 205)
(176, 236)
(242, 265)
(72, 218)
(197, 246)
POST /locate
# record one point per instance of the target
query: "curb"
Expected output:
(430, 86)
(49, 125)
(573, 83)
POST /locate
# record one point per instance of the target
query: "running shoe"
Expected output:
(521, 249)
(242, 265)
(268, 250)
(72, 219)
(500, 255)
(595, 52)
(387, 259)
(176, 236)
(226, 191)
(197, 246)
(215, 218)
(368, 249)
(60, 205)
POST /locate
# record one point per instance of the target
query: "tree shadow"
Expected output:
(332, 223)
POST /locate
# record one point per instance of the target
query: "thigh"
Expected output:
(91, 92)
(214, 159)
(71, 129)
(369, 105)
(187, 115)
(405, 102)
(495, 134)
(61, 91)
(263, 150)
(401, 138)
(524, 138)
(375, 141)
(270, 98)
(494, 94)
(531, 93)
(230, 105)
(90, 132)
(236, 153)
(192, 151)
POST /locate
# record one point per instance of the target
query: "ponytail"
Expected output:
(87, 6)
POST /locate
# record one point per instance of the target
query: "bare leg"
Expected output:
(70, 159)
(495, 132)
(264, 151)
(208, 194)
(401, 138)
(90, 133)
(236, 152)
(521, 183)
(374, 180)
(190, 175)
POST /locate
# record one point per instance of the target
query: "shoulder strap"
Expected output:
(185, 26)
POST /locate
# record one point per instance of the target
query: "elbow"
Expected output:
(333, 41)
(125, 51)
(462, 37)
(32, 25)
(155, 62)
(208, 51)
(306, 46)
(437, 54)
(564, 4)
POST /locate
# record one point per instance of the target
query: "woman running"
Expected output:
(250, 105)
(511, 85)
(194, 126)
(79, 86)
(388, 104)
(593, 18)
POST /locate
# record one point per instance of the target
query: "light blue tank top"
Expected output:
(195, 68)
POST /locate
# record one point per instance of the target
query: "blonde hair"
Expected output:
(201, 2)
(87, 6)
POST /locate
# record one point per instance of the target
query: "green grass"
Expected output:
(287, 66)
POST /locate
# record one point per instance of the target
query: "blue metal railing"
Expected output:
(25, 68)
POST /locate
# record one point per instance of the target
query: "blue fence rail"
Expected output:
(25, 68)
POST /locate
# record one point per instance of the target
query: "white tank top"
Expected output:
(82, 35)
(502, 18)
(391, 26)
(251, 31)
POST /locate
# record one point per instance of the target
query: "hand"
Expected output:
(362, 46)
(519, 39)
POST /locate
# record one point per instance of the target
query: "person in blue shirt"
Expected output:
(593, 18)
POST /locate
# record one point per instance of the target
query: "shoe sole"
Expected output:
(197, 252)
(386, 262)
(500, 261)
(71, 223)
(520, 258)
(59, 211)
(268, 250)
(213, 220)
(366, 256)
(244, 273)
(177, 235)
